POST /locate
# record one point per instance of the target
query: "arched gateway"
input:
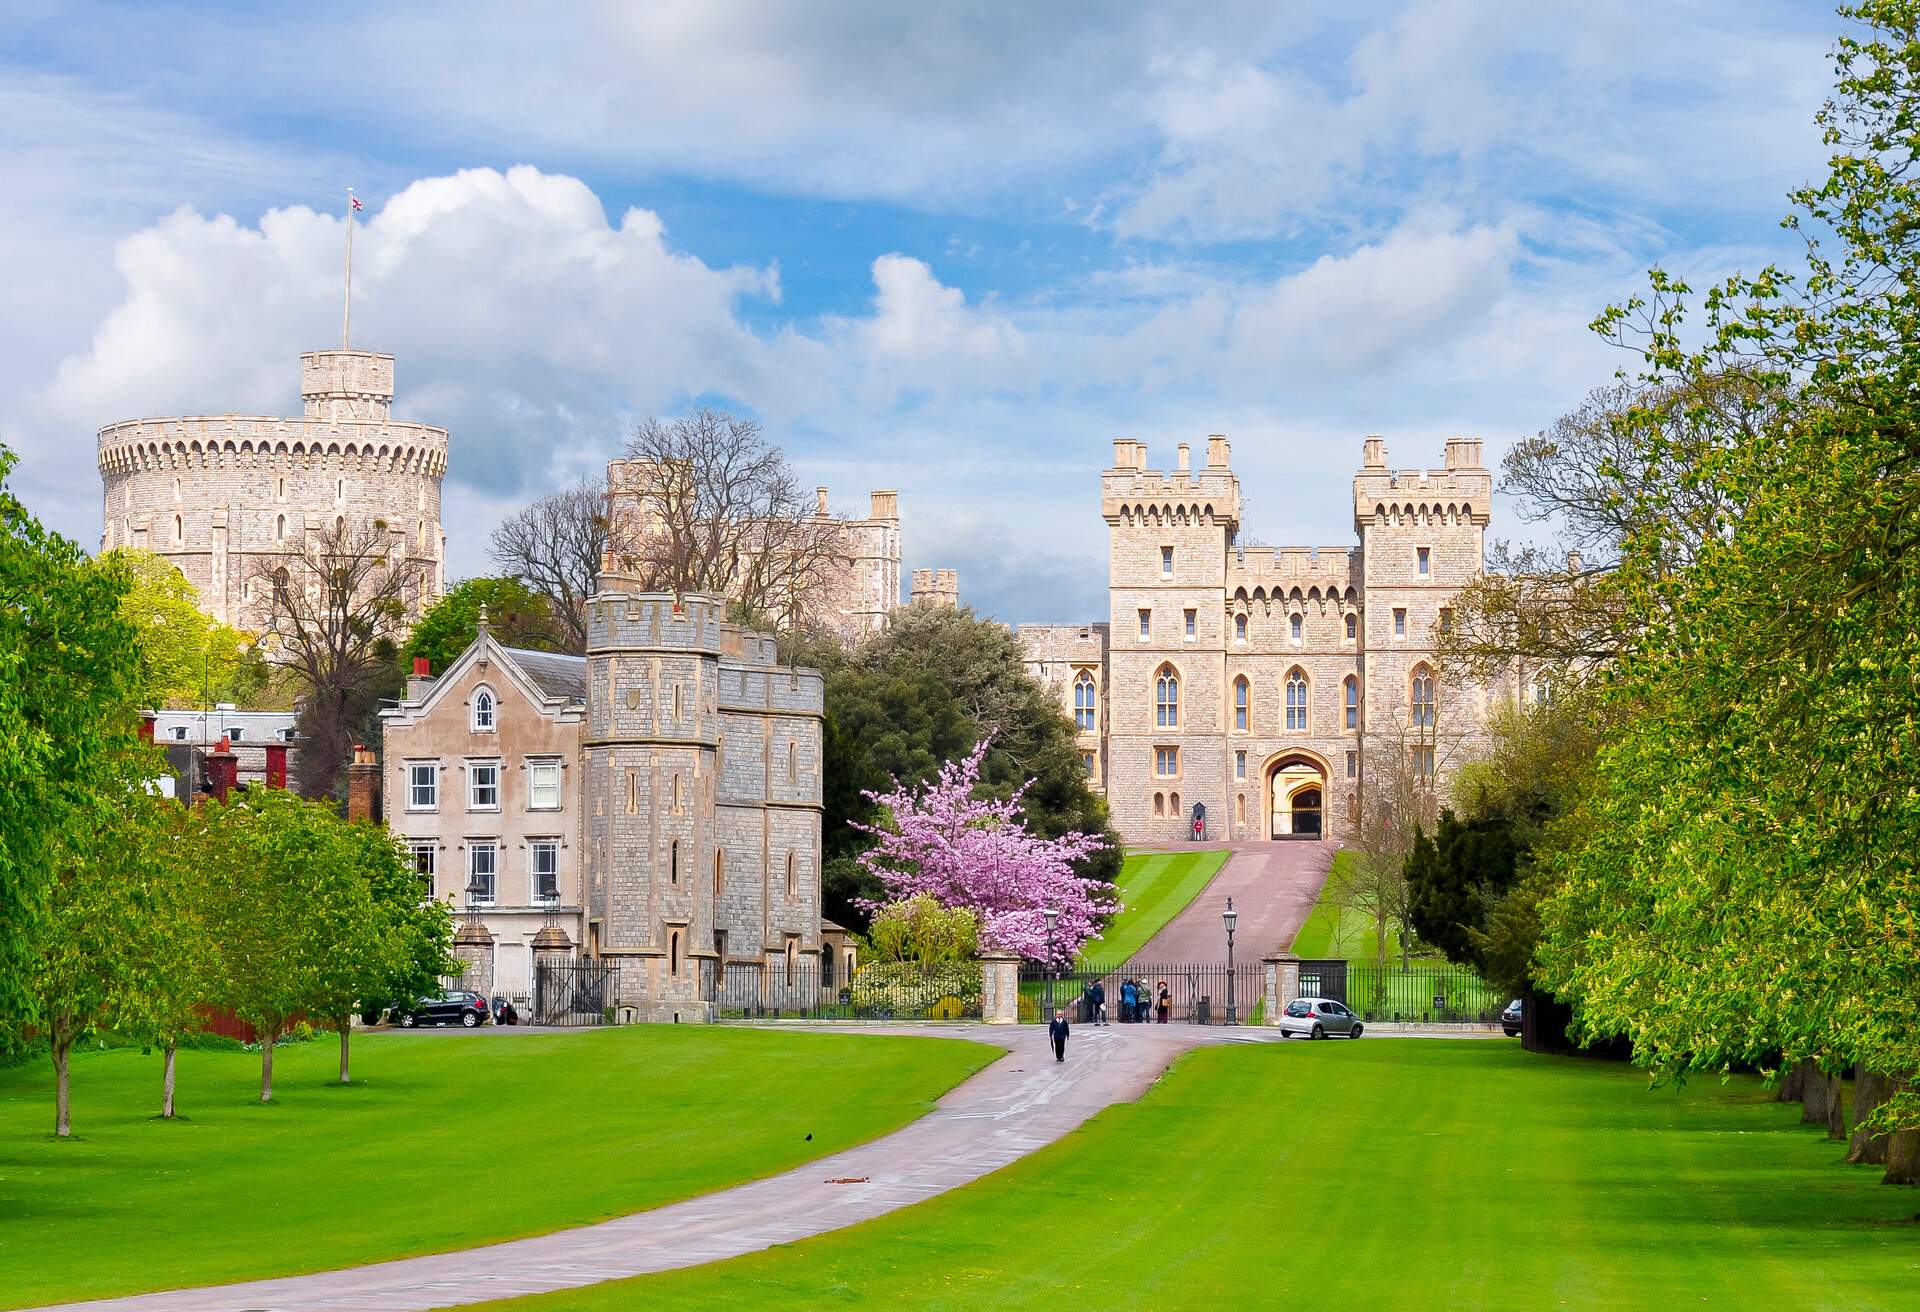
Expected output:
(1296, 797)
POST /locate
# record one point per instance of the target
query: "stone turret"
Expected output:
(936, 587)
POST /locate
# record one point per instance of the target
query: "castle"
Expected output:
(1272, 689)
(225, 496)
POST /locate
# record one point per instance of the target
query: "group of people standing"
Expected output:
(1139, 1004)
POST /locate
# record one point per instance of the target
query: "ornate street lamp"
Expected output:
(1231, 917)
(1050, 915)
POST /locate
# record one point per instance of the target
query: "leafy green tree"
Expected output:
(186, 657)
(69, 669)
(920, 930)
(1744, 857)
(517, 615)
(175, 959)
(104, 929)
(266, 849)
(923, 693)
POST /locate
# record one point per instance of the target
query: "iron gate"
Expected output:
(570, 992)
(1421, 991)
(801, 990)
(1196, 993)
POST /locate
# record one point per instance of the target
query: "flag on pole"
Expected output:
(354, 201)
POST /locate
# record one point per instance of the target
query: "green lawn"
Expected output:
(1154, 888)
(443, 1141)
(1331, 933)
(1389, 1173)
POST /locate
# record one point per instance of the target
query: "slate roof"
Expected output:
(554, 674)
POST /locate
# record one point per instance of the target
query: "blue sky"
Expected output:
(951, 250)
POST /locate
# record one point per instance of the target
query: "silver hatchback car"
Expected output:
(1318, 1018)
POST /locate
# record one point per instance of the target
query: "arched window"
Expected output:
(1166, 698)
(1294, 625)
(792, 955)
(1083, 700)
(1296, 699)
(1423, 706)
(1353, 702)
(1543, 689)
(673, 861)
(339, 489)
(179, 529)
(673, 953)
(793, 885)
(675, 787)
(1173, 805)
(339, 525)
(1159, 804)
(1240, 808)
(719, 870)
(676, 701)
(1240, 703)
(176, 489)
(279, 528)
(793, 766)
(1353, 624)
(1239, 628)
(280, 488)
(483, 711)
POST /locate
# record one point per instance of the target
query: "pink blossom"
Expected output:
(966, 851)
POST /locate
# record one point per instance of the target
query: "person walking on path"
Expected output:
(1057, 1031)
(1165, 1003)
(1097, 997)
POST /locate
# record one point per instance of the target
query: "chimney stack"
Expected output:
(1463, 453)
(223, 770)
(1185, 465)
(820, 501)
(1376, 454)
(276, 765)
(363, 785)
(884, 503)
(1219, 452)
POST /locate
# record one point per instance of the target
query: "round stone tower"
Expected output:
(216, 494)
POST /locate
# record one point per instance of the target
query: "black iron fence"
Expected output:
(1420, 991)
(1142, 992)
(569, 991)
(801, 990)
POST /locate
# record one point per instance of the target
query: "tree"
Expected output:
(706, 504)
(1745, 854)
(337, 604)
(104, 925)
(266, 849)
(517, 615)
(962, 850)
(922, 931)
(69, 670)
(557, 547)
(1455, 878)
(186, 657)
(175, 953)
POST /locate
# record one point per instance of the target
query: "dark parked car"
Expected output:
(454, 1007)
(505, 1013)
(1510, 1018)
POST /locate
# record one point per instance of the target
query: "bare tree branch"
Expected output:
(557, 546)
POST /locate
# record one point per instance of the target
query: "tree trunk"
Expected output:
(1836, 1109)
(1819, 1090)
(166, 1083)
(346, 1029)
(1793, 1085)
(1903, 1148)
(1869, 1091)
(62, 1126)
(1380, 940)
(266, 1066)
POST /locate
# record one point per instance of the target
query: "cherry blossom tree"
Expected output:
(977, 853)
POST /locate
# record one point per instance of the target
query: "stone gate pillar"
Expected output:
(1000, 988)
(1282, 985)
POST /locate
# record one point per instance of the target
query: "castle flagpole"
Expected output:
(346, 309)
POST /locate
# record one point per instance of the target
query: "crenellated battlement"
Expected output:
(1132, 493)
(1462, 492)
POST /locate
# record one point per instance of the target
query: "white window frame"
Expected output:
(473, 785)
(1399, 622)
(1239, 765)
(417, 848)
(432, 771)
(484, 698)
(1423, 561)
(474, 849)
(1192, 623)
(1166, 562)
(534, 770)
(536, 846)
(1166, 756)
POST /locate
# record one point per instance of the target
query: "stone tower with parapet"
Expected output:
(218, 494)
(702, 762)
(935, 587)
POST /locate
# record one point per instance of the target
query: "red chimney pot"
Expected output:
(422, 667)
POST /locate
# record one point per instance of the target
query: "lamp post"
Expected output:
(1230, 917)
(1050, 915)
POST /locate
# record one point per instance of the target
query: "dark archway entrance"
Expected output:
(1307, 809)
(1296, 798)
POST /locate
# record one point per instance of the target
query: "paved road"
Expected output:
(1273, 886)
